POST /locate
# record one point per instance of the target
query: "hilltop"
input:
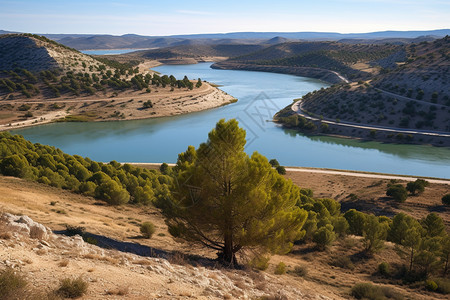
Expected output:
(42, 80)
(320, 60)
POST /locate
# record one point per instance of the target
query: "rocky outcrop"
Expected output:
(317, 73)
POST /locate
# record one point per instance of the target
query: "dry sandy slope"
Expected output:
(110, 270)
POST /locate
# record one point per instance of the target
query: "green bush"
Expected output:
(398, 192)
(324, 237)
(281, 170)
(260, 262)
(280, 268)
(147, 229)
(274, 163)
(417, 186)
(446, 199)
(72, 288)
(384, 269)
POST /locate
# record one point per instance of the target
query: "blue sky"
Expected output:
(149, 17)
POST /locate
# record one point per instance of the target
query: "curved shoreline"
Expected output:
(358, 131)
(164, 105)
(328, 76)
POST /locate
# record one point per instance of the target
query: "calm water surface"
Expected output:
(109, 51)
(260, 96)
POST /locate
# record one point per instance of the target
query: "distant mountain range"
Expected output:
(89, 41)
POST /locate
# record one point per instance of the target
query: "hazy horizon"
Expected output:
(205, 17)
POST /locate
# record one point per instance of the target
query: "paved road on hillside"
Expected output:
(297, 107)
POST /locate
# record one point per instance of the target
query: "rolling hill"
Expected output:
(412, 94)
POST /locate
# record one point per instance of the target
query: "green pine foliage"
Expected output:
(114, 183)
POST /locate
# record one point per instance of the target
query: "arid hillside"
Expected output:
(411, 95)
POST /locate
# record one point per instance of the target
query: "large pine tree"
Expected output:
(226, 200)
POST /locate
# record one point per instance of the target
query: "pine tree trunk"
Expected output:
(228, 255)
(411, 260)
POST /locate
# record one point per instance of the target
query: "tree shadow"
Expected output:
(143, 250)
(383, 206)
(437, 208)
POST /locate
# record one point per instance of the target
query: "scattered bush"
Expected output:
(417, 186)
(280, 268)
(74, 230)
(373, 292)
(300, 271)
(11, 284)
(147, 229)
(147, 104)
(343, 262)
(384, 269)
(274, 163)
(72, 288)
(446, 199)
(260, 262)
(281, 170)
(398, 192)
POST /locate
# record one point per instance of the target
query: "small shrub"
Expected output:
(367, 291)
(63, 263)
(300, 271)
(280, 269)
(398, 192)
(74, 230)
(147, 104)
(343, 262)
(11, 284)
(72, 288)
(446, 199)
(281, 170)
(147, 229)
(274, 163)
(384, 269)
(90, 240)
(431, 285)
(260, 262)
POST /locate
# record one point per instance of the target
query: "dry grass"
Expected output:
(63, 263)
(119, 291)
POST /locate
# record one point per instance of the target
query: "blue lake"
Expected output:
(260, 96)
(109, 51)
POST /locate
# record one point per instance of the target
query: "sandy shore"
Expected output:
(128, 105)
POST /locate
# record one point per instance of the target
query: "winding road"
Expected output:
(297, 108)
